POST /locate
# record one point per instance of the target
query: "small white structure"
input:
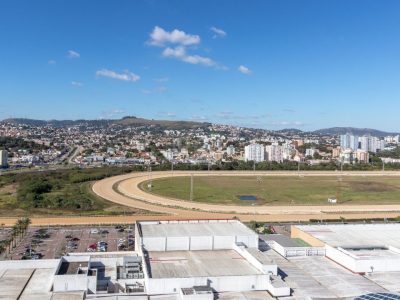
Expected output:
(361, 248)
(332, 200)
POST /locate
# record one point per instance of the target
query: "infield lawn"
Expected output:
(277, 190)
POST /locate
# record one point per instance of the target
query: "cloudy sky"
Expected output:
(268, 64)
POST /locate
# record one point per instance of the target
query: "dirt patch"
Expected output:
(9, 189)
(371, 186)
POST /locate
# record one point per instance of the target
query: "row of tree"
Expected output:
(18, 232)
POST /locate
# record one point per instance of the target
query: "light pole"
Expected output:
(191, 187)
(150, 185)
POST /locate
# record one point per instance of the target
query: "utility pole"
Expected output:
(298, 168)
(191, 187)
(150, 185)
(383, 166)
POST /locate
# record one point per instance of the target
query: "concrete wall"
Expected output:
(224, 242)
(266, 269)
(154, 243)
(360, 265)
(201, 243)
(177, 243)
(156, 286)
(296, 251)
(64, 283)
(30, 264)
(250, 241)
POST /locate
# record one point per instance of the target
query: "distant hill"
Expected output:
(289, 131)
(126, 121)
(353, 130)
(168, 124)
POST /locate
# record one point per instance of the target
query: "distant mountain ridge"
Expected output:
(125, 121)
(353, 130)
(177, 125)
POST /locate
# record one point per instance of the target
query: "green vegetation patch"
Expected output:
(66, 191)
(282, 190)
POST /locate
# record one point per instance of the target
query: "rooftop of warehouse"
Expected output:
(179, 264)
(161, 229)
(355, 235)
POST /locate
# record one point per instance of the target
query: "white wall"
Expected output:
(266, 269)
(224, 242)
(201, 243)
(154, 243)
(157, 286)
(177, 243)
(63, 283)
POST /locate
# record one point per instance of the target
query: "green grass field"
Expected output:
(274, 190)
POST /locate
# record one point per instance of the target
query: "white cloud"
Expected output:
(180, 53)
(244, 70)
(73, 54)
(218, 32)
(161, 37)
(77, 83)
(51, 62)
(125, 76)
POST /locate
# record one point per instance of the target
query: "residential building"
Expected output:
(349, 141)
(3, 159)
(274, 152)
(362, 156)
(230, 150)
(254, 152)
(347, 156)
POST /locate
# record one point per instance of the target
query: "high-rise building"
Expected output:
(274, 152)
(230, 150)
(3, 159)
(254, 152)
(349, 141)
(371, 143)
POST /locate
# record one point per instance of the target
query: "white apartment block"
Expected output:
(274, 152)
(254, 152)
(230, 150)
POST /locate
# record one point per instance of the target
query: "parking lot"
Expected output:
(53, 242)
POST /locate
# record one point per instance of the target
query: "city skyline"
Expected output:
(270, 65)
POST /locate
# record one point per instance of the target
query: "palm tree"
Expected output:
(14, 234)
(27, 221)
(19, 225)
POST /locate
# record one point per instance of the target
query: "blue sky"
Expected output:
(268, 64)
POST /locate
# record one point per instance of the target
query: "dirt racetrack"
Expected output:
(124, 190)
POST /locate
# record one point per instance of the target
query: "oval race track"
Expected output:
(124, 189)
